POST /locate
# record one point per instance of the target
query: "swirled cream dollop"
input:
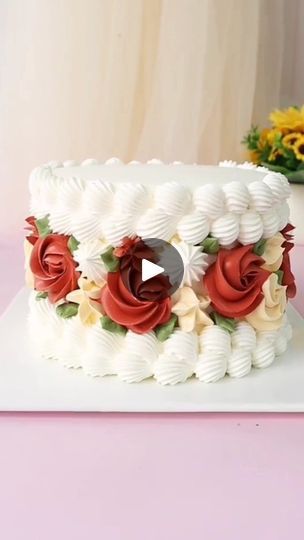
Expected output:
(136, 361)
(193, 228)
(261, 198)
(226, 229)
(251, 228)
(264, 354)
(99, 198)
(131, 199)
(210, 200)
(117, 227)
(177, 362)
(279, 186)
(173, 198)
(270, 312)
(284, 215)
(46, 329)
(215, 339)
(237, 197)
(239, 363)
(156, 223)
(244, 337)
(102, 349)
(211, 366)
(271, 223)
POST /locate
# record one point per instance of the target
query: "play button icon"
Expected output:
(150, 270)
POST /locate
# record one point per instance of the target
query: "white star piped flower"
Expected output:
(194, 260)
(90, 264)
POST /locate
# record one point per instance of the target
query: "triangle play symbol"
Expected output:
(150, 270)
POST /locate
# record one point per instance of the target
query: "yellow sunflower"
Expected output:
(290, 140)
(299, 148)
(274, 154)
(288, 119)
(269, 136)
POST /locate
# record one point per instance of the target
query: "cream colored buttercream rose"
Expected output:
(29, 277)
(190, 310)
(273, 253)
(269, 313)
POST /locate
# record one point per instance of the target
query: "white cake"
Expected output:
(91, 308)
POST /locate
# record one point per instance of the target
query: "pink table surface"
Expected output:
(140, 476)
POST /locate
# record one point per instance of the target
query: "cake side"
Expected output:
(89, 233)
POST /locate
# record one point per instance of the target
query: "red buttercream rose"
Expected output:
(288, 277)
(53, 266)
(234, 282)
(32, 230)
(123, 308)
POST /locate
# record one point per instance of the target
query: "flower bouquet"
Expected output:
(280, 148)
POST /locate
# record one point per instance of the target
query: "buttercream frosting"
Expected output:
(239, 363)
(251, 228)
(237, 197)
(226, 229)
(210, 200)
(193, 228)
(156, 223)
(211, 366)
(173, 198)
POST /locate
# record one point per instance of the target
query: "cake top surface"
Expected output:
(155, 172)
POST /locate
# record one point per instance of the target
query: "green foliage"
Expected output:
(73, 244)
(224, 322)
(251, 139)
(43, 226)
(259, 247)
(41, 296)
(111, 326)
(67, 310)
(110, 260)
(210, 245)
(163, 331)
(280, 275)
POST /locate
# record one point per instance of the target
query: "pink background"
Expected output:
(140, 476)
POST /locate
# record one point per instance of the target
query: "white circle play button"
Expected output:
(150, 270)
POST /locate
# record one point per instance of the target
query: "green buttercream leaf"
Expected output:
(259, 247)
(111, 262)
(224, 322)
(41, 296)
(163, 331)
(73, 244)
(67, 310)
(43, 226)
(210, 245)
(280, 275)
(111, 326)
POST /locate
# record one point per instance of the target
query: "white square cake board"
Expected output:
(29, 384)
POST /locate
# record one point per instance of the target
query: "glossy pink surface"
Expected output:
(135, 477)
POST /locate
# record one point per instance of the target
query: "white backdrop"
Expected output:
(174, 79)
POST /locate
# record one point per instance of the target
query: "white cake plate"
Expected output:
(28, 384)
